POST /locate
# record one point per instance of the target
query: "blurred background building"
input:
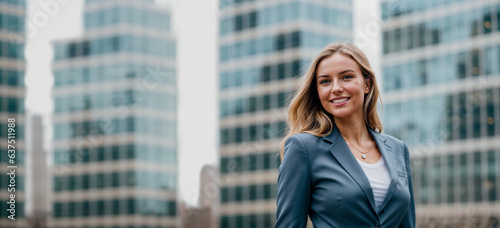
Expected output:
(210, 193)
(194, 216)
(263, 47)
(205, 215)
(441, 83)
(115, 144)
(12, 96)
(37, 178)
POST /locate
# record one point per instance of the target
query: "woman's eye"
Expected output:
(347, 77)
(324, 82)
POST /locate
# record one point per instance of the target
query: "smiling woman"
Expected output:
(337, 168)
(341, 86)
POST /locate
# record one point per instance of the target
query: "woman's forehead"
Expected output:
(337, 63)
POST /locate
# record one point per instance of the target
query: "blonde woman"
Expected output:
(337, 168)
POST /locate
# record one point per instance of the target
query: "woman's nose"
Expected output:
(337, 86)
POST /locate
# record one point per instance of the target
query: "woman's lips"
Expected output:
(340, 101)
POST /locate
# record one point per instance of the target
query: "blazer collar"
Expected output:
(341, 152)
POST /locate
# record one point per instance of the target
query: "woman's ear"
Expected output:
(368, 84)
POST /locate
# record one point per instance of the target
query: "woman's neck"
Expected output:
(352, 130)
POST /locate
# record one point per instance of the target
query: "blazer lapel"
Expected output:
(390, 161)
(342, 153)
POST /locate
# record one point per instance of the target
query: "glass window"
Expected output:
(491, 184)
(490, 112)
(435, 32)
(460, 65)
(238, 135)
(224, 26)
(406, 38)
(474, 21)
(334, 18)
(281, 71)
(433, 66)
(252, 103)
(279, 41)
(295, 39)
(12, 77)
(498, 17)
(266, 16)
(422, 68)
(386, 42)
(477, 177)
(265, 74)
(462, 113)
(385, 10)
(293, 12)
(490, 60)
(437, 181)
(238, 23)
(475, 63)
(98, 46)
(391, 41)
(12, 105)
(421, 31)
(280, 13)
(397, 40)
(486, 20)
(85, 182)
(87, 20)
(408, 75)
(252, 19)
(446, 29)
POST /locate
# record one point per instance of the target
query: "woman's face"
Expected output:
(341, 86)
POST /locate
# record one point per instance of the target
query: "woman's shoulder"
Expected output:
(304, 137)
(303, 144)
(393, 140)
(308, 141)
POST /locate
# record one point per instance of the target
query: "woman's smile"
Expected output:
(339, 101)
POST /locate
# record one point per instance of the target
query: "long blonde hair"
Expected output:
(306, 114)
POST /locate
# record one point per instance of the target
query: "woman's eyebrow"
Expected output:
(347, 70)
(342, 72)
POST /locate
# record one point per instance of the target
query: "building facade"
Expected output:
(210, 194)
(115, 143)
(263, 48)
(12, 113)
(441, 94)
(206, 214)
(38, 180)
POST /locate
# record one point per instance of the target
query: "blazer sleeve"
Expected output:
(294, 185)
(409, 218)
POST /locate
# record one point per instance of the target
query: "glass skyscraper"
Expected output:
(441, 83)
(264, 47)
(115, 143)
(12, 95)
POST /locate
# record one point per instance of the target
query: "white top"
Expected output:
(379, 178)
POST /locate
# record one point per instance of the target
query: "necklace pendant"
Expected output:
(363, 156)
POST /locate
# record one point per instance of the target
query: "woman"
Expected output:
(336, 165)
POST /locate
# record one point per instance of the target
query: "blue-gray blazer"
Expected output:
(320, 177)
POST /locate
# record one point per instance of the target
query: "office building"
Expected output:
(194, 216)
(115, 143)
(38, 180)
(206, 214)
(210, 193)
(12, 96)
(264, 46)
(441, 95)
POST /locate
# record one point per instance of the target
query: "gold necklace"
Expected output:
(363, 154)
